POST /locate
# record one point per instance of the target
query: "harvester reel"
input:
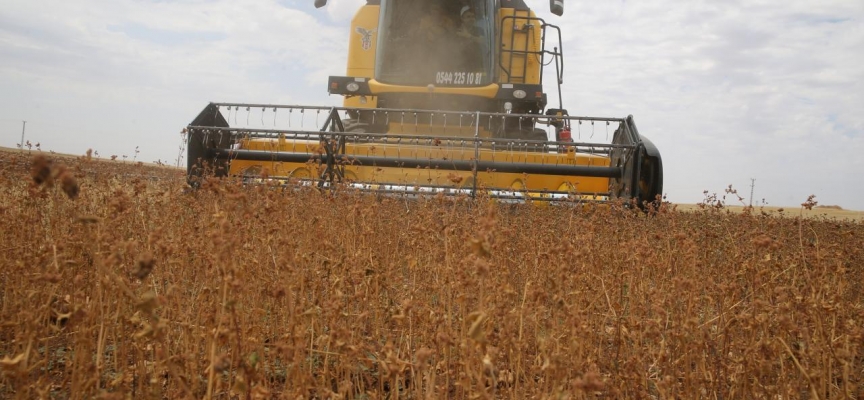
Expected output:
(346, 150)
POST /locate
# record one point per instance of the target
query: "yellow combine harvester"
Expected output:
(440, 96)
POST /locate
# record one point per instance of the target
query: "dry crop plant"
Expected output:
(138, 288)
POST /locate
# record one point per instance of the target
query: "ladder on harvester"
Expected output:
(516, 51)
(514, 55)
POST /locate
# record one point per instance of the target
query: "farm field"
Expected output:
(117, 282)
(819, 211)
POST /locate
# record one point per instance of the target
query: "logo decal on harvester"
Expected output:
(365, 37)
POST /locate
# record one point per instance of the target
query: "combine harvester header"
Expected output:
(441, 97)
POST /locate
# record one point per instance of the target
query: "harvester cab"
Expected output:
(439, 97)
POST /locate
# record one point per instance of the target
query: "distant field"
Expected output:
(815, 212)
(100, 157)
(116, 282)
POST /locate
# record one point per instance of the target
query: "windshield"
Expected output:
(440, 42)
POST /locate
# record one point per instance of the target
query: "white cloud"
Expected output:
(343, 10)
(118, 74)
(727, 90)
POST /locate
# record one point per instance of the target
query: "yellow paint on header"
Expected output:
(488, 91)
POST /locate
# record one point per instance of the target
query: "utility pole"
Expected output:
(23, 128)
(752, 185)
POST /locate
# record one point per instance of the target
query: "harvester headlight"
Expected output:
(519, 94)
(508, 106)
(352, 86)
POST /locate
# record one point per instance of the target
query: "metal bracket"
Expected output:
(334, 170)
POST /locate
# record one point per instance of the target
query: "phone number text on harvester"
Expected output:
(458, 78)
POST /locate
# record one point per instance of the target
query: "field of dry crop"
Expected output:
(115, 282)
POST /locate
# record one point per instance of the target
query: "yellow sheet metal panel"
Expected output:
(487, 91)
(428, 176)
(363, 42)
(519, 34)
(362, 45)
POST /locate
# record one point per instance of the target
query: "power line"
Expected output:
(752, 186)
(23, 129)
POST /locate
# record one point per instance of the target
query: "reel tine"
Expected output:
(398, 147)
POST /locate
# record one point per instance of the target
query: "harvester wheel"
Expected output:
(529, 134)
(355, 126)
(539, 134)
(251, 174)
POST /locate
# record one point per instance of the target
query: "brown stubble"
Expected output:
(141, 289)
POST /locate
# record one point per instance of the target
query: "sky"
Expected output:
(729, 91)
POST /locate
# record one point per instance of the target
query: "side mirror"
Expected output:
(322, 3)
(556, 6)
